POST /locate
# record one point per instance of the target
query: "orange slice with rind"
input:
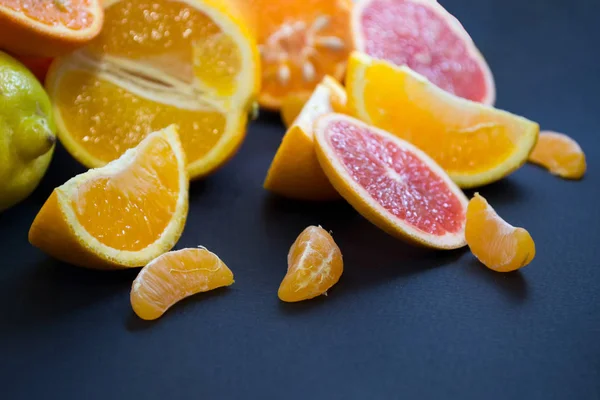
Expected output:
(192, 63)
(476, 144)
(121, 215)
(301, 41)
(497, 244)
(315, 264)
(49, 27)
(174, 276)
(391, 182)
(559, 154)
(295, 171)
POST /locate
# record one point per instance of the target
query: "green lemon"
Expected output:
(27, 132)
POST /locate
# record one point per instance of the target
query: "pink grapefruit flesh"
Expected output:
(392, 183)
(422, 35)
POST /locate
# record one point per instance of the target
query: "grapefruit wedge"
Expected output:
(422, 35)
(474, 143)
(392, 183)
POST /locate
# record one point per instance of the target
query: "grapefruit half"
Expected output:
(424, 36)
(392, 183)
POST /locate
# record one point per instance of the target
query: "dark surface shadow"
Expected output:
(512, 284)
(198, 188)
(134, 323)
(505, 191)
(270, 117)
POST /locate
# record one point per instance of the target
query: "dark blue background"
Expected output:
(401, 323)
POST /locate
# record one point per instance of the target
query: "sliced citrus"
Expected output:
(314, 265)
(391, 182)
(294, 103)
(121, 215)
(48, 27)
(174, 276)
(560, 154)
(424, 36)
(295, 171)
(476, 144)
(301, 41)
(192, 63)
(497, 244)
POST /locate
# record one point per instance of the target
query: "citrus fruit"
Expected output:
(37, 65)
(48, 27)
(497, 244)
(300, 42)
(560, 154)
(174, 276)
(294, 103)
(314, 265)
(476, 144)
(391, 183)
(27, 132)
(121, 215)
(424, 36)
(295, 171)
(192, 63)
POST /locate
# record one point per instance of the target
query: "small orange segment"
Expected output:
(48, 27)
(121, 215)
(560, 154)
(497, 244)
(300, 42)
(174, 276)
(314, 265)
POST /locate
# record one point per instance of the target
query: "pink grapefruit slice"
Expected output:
(422, 35)
(391, 182)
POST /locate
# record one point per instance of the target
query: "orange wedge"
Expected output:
(476, 144)
(497, 244)
(174, 276)
(560, 154)
(121, 215)
(301, 41)
(193, 63)
(48, 27)
(314, 265)
(295, 172)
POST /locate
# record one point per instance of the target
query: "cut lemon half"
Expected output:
(476, 144)
(193, 63)
(122, 215)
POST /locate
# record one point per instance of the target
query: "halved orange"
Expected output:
(314, 265)
(300, 42)
(121, 215)
(497, 244)
(560, 154)
(193, 63)
(48, 27)
(476, 144)
(174, 276)
(295, 171)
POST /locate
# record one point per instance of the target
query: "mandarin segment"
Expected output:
(174, 276)
(559, 154)
(121, 215)
(474, 143)
(314, 265)
(497, 244)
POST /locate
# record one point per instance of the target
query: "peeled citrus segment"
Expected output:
(121, 215)
(295, 171)
(560, 154)
(192, 63)
(49, 27)
(391, 183)
(294, 103)
(300, 42)
(497, 244)
(424, 36)
(474, 143)
(314, 265)
(174, 276)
